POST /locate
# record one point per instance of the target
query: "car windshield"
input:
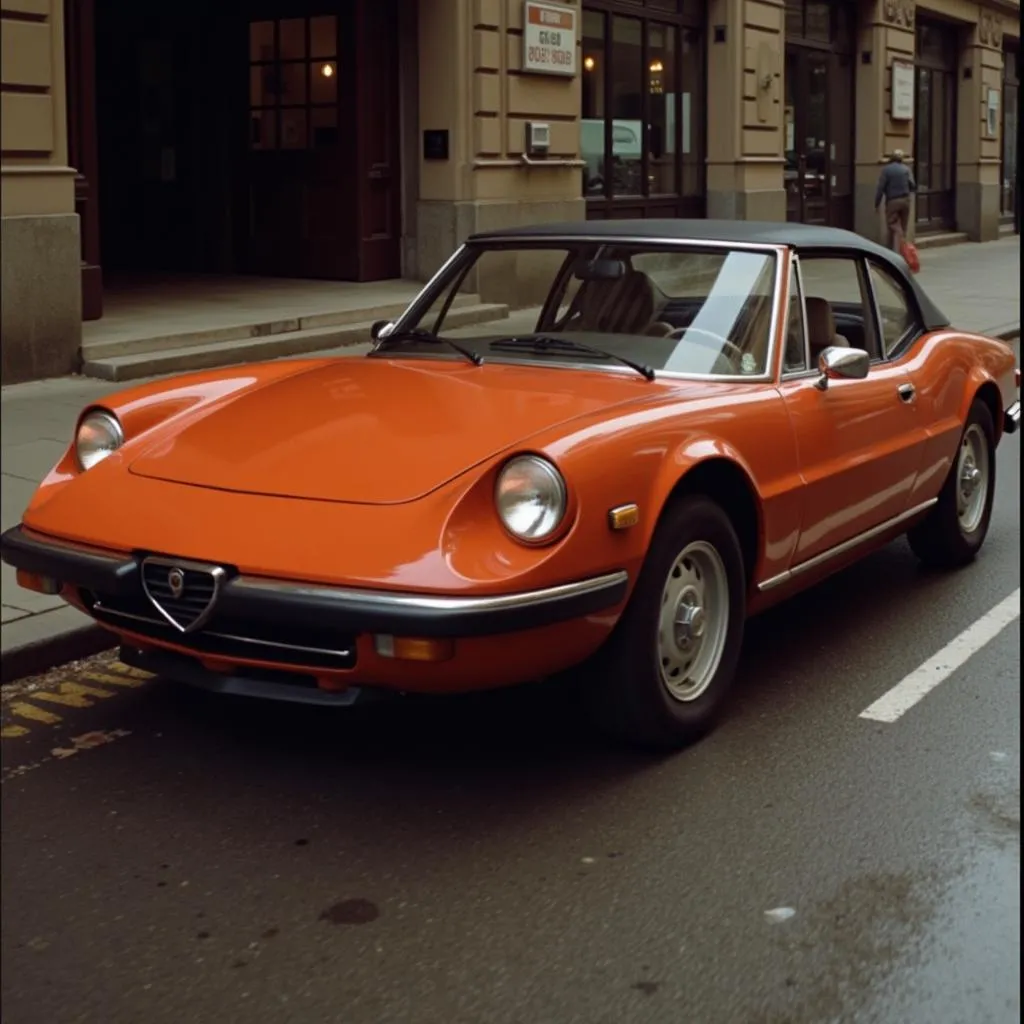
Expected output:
(667, 309)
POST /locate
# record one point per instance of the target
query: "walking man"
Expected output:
(895, 184)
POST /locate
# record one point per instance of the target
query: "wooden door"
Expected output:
(302, 140)
(379, 181)
(324, 185)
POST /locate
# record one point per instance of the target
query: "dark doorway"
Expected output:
(245, 136)
(1008, 198)
(819, 113)
(935, 111)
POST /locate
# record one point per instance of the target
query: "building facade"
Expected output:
(362, 141)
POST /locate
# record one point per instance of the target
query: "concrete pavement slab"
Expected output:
(976, 286)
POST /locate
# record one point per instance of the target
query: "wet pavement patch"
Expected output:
(355, 911)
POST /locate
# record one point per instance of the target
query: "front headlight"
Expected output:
(99, 435)
(531, 497)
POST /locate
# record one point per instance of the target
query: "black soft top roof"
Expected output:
(801, 237)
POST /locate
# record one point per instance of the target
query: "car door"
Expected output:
(859, 442)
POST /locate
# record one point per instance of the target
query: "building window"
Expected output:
(935, 111)
(642, 117)
(293, 83)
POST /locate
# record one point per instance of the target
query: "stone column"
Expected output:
(745, 89)
(472, 85)
(41, 300)
(978, 148)
(885, 35)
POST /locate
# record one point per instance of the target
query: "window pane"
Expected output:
(593, 112)
(836, 310)
(323, 37)
(293, 129)
(691, 113)
(262, 129)
(795, 358)
(683, 310)
(261, 92)
(818, 22)
(324, 82)
(261, 40)
(892, 308)
(923, 127)
(293, 83)
(661, 129)
(627, 106)
(324, 127)
(292, 39)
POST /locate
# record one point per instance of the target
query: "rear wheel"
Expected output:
(663, 676)
(956, 527)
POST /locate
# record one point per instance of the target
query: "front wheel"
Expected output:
(956, 527)
(663, 676)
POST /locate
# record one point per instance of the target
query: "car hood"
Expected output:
(374, 431)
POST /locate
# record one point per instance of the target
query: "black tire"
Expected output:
(943, 540)
(630, 698)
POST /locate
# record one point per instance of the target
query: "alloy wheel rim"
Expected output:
(693, 621)
(972, 479)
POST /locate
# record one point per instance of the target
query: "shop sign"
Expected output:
(902, 89)
(549, 39)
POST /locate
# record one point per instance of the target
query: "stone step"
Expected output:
(181, 359)
(248, 330)
(940, 239)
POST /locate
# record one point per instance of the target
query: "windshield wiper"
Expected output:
(547, 343)
(419, 334)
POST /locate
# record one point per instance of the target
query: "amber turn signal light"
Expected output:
(623, 517)
(410, 648)
(40, 584)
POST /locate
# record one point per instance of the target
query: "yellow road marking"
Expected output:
(34, 714)
(72, 695)
(9, 732)
(112, 680)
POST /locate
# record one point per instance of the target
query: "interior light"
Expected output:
(327, 70)
(588, 63)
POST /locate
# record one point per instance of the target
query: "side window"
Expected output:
(894, 309)
(838, 304)
(795, 359)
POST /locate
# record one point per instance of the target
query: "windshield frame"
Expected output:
(454, 270)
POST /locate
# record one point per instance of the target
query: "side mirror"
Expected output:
(838, 363)
(381, 329)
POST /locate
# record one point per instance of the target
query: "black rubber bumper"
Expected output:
(255, 600)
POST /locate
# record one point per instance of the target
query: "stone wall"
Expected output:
(41, 319)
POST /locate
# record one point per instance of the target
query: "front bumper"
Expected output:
(255, 618)
(1011, 418)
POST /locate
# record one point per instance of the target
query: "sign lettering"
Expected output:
(549, 38)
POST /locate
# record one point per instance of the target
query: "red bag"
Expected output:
(909, 252)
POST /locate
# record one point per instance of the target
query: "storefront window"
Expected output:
(641, 127)
(1011, 122)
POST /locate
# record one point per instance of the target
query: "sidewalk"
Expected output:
(976, 286)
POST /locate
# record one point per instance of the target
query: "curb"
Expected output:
(48, 652)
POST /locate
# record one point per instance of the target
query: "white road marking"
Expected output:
(916, 686)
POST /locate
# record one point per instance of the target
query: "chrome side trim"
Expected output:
(384, 601)
(841, 549)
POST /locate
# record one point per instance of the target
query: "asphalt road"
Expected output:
(489, 861)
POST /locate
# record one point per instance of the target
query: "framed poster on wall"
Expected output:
(901, 86)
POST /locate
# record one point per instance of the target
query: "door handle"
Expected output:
(907, 392)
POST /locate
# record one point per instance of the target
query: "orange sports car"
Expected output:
(676, 424)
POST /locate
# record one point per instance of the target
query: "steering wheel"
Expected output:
(732, 352)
